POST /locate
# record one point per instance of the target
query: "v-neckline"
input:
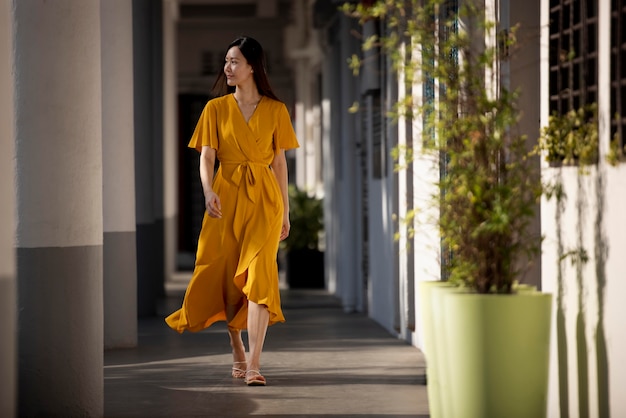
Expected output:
(241, 112)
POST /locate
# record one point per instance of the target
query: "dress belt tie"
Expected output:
(248, 171)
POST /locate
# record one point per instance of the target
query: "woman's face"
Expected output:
(236, 68)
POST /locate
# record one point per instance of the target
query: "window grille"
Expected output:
(618, 71)
(573, 54)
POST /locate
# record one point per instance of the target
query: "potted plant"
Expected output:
(493, 342)
(304, 260)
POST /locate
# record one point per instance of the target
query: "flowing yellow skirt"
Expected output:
(236, 256)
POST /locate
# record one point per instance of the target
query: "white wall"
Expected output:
(615, 270)
(589, 342)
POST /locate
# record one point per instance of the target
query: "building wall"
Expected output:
(343, 215)
(587, 376)
(202, 46)
(588, 339)
(366, 267)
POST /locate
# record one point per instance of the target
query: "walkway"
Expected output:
(322, 362)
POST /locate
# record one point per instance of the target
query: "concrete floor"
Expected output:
(322, 362)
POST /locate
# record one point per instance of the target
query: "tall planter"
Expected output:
(432, 312)
(497, 350)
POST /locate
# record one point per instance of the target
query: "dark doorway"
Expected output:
(190, 197)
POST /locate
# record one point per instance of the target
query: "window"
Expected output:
(208, 63)
(618, 70)
(573, 54)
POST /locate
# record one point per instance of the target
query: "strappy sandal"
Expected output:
(256, 379)
(237, 372)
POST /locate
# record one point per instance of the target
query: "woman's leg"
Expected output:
(258, 320)
(236, 343)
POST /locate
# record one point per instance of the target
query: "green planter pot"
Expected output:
(497, 349)
(443, 373)
(430, 321)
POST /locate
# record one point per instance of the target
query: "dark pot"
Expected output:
(305, 269)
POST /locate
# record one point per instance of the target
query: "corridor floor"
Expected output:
(322, 362)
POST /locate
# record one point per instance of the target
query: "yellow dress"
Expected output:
(236, 256)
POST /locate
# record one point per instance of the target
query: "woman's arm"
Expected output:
(207, 169)
(279, 167)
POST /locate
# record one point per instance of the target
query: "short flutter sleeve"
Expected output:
(206, 133)
(284, 135)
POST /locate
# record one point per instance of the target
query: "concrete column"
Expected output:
(59, 207)
(330, 130)
(300, 123)
(148, 115)
(349, 262)
(395, 195)
(295, 43)
(118, 155)
(8, 295)
(171, 145)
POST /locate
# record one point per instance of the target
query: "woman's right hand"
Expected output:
(213, 205)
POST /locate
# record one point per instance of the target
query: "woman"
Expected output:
(247, 208)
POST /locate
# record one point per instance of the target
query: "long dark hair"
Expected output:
(253, 52)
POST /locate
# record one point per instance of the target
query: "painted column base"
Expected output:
(120, 290)
(60, 358)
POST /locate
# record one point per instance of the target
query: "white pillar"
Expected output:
(171, 145)
(8, 294)
(58, 130)
(329, 129)
(295, 44)
(118, 153)
(301, 42)
(300, 123)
